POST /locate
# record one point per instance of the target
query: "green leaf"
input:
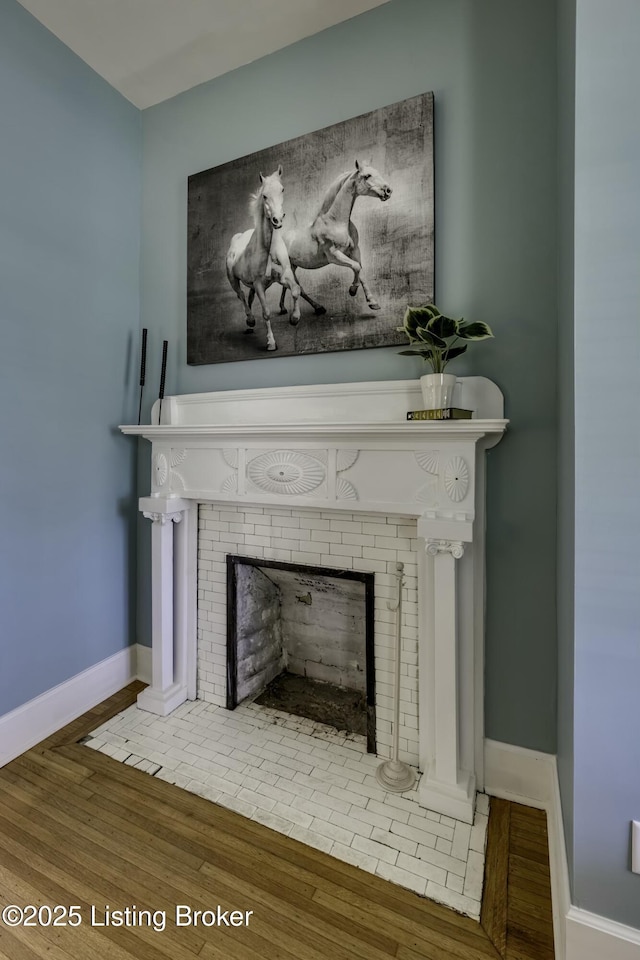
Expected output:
(475, 331)
(431, 338)
(410, 323)
(453, 352)
(415, 317)
(414, 353)
(426, 312)
(443, 326)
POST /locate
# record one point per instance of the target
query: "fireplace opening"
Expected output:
(340, 707)
(300, 639)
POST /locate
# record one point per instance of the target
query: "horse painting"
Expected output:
(342, 252)
(332, 237)
(253, 254)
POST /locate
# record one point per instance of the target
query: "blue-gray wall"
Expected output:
(566, 453)
(607, 457)
(492, 67)
(69, 315)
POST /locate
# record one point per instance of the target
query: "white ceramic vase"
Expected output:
(438, 390)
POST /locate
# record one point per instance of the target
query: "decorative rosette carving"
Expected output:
(177, 482)
(429, 462)
(346, 459)
(230, 457)
(456, 479)
(428, 494)
(345, 490)
(178, 457)
(287, 472)
(160, 469)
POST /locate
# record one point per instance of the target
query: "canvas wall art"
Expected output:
(316, 244)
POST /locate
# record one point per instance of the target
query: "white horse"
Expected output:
(252, 254)
(331, 237)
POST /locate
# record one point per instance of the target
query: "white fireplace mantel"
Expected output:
(338, 447)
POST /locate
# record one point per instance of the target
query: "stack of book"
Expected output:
(447, 413)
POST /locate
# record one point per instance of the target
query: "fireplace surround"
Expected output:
(333, 451)
(294, 535)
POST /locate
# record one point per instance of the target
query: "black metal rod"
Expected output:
(163, 374)
(143, 369)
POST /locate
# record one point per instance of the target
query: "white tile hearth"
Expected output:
(308, 781)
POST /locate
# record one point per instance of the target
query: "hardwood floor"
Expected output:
(516, 909)
(78, 828)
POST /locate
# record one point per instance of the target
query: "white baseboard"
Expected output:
(143, 660)
(514, 773)
(39, 718)
(525, 776)
(590, 937)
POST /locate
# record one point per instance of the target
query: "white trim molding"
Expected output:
(143, 663)
(514, 773)
(590, 937)
(37, 719)
(531, 778)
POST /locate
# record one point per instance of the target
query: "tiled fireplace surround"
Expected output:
(354, 541)
(333, 476)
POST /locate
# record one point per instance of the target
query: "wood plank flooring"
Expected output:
(78, 828)
(516, 909)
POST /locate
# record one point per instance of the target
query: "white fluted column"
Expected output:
(186, 598)
(445, 787)
(168, 688)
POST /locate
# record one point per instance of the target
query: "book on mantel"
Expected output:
(446, 413)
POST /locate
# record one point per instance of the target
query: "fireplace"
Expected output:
(332, 475)
(300, 639)
(358, 548)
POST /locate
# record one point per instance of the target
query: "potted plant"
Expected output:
(438, 339)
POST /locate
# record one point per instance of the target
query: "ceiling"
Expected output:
(151, 50)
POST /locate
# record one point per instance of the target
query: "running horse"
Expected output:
(253, 254)
(332, 237)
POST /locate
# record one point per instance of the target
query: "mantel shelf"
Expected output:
(385, 430)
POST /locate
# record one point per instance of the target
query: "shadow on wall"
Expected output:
(511, 177)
